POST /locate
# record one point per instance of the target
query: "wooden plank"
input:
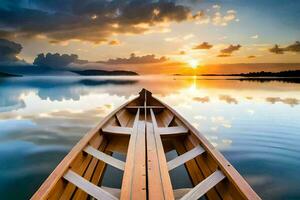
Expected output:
(93, 174)
(203, 163)
(87, 175)
(185, 157)
(175, 130)
(134, 177)
(203, 187)
(114, 191)
(105, 158)
(155, 185)
(79, 166)
(166, 117)
(123, 117)
(118, 144)
(87, 186)
(117, 130)
(139, 172)
(164, 177)
(179, 193)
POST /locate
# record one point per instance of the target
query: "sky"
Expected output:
(159, 37)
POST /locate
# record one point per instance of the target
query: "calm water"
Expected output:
(255, 125)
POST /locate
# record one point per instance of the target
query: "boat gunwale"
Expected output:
(64, 164)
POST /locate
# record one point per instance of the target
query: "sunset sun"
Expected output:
(193, 63)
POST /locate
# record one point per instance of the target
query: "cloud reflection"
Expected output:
(289, 101)
(228, 99)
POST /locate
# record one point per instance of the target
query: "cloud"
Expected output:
(276, 49)
(9, 50)
(114, 42)
(250, 57)
(204, 45)
(254, 37)
(229, 50)
(290, 48)
(290, 101)
(55, 60)
(293, 47)
(219, 19)
(201, 99)
(223, 55)
(228, 99)
(90, 20)
(133, 59)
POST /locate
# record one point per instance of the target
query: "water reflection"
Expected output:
(255, 125)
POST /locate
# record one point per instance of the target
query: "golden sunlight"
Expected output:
(193, 63)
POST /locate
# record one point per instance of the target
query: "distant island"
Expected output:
(31, 70)
(92, 72)
(290, 73)
(2, 74)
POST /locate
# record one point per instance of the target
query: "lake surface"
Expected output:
(256, 125)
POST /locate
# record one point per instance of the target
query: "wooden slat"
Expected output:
(134, 178)
(117, 130)
(175, 130)
(93, 174)
(179, 193)
(87, 186)
(166, 117)
(202, 188)
(221, 190)
(79, 166)
(123, 117)
(155, 185)
(114, 191)
(105, 158)
(159, 182)
(185, 157)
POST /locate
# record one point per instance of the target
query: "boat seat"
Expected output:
(88, 187)
(204, 186)
(117, 130)
(185, 157)
(105, 158)
(174, 130)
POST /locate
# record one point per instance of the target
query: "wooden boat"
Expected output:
(144, 130)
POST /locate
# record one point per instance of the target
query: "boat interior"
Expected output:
(142, 144)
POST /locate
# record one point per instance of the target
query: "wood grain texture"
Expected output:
(203, 187)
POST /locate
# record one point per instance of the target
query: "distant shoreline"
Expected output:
(262, 74)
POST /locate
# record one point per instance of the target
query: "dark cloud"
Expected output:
(231, 49)
(277, 50)
(9, 50)
(227, 52)
(89, 20)
(224, 55)
(133, 59)
(55, 60)
(251, 56)
(291, 48)
(204, 45)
